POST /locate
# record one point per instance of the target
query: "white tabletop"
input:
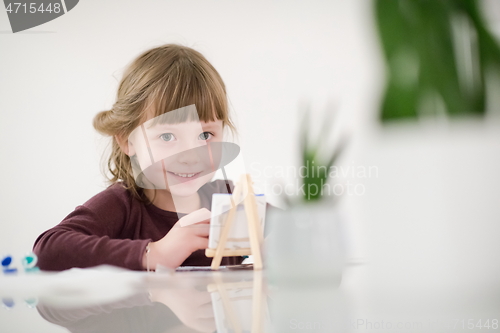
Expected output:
(112, 300)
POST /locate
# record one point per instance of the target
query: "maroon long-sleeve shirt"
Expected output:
(114, 228)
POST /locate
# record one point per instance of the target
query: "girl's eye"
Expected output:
(205, 135)
(167, 137)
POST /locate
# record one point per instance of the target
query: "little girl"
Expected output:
(171, 105)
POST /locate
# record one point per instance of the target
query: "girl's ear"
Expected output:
(125, 145)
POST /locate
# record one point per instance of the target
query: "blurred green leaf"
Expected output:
(437, 54)
(317, 164)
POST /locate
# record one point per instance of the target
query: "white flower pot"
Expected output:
(304, 245)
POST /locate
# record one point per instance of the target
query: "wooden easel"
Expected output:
(254, 228)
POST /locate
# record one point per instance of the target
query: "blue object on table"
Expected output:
(5, 265)
(29, 263)
(8, 302)
(31, 302)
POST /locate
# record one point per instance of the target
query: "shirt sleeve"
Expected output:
(90, 236)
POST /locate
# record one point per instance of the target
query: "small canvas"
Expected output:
(238, 236)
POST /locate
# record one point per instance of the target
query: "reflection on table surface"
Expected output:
(109, 300)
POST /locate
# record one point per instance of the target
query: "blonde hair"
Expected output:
(162, 79)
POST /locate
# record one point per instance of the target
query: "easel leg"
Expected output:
(257, 303)
(219, 252)
(253, 223)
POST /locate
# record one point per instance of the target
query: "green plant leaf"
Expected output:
(439, 49)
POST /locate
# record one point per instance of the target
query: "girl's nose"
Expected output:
(189, 156)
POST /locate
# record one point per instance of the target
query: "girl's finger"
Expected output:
(200, 215)
(201, 243)
(206, 310)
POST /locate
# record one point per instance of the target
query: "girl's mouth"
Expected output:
(185, 176)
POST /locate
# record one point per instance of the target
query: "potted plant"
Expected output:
(305, 241)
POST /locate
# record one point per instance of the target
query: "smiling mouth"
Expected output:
(185, 175)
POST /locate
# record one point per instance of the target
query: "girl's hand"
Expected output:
(178, 244)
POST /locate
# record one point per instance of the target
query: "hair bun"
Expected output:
(103, 122)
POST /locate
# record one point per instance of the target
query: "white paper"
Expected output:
(238, 237)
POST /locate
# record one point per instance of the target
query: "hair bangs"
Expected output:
(186, 86)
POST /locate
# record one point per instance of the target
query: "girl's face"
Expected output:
(176, 157)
